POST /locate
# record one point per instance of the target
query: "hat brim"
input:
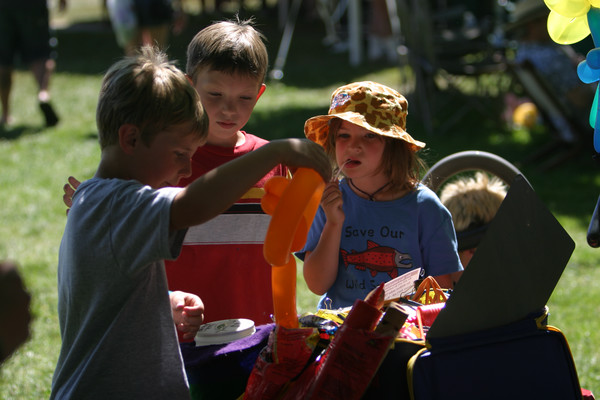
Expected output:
(317, 129)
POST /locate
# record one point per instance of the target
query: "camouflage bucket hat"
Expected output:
(373, 106)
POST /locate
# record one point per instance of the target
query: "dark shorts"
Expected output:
(24, 31)
(153, 12)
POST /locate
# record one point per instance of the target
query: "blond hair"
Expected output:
(149, 92)
(473, 201)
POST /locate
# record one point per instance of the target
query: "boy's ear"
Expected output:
(189, 78)
(129, 137)
(261, 90)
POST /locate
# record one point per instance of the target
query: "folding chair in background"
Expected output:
(571, 134)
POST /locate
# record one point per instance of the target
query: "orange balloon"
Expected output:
(306, 221)
(269, 203)
(276, 185)
(300, 200)
(274, 188)
(283, 281)
(300, 237)
(293, 205)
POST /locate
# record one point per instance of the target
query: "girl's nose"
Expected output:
(355, 143)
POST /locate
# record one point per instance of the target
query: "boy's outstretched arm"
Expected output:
(214, 192)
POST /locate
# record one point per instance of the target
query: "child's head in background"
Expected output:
(229, 46)
(473, 203)
(380, 113)
(227, 62)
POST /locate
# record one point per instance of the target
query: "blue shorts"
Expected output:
(24, 32)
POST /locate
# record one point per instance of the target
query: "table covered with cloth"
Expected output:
(221, 371)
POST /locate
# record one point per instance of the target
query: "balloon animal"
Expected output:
(569, 22)
(292, 205)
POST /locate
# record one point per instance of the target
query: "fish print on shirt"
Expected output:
(377, 259)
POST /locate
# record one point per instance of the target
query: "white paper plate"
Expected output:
(224, 331)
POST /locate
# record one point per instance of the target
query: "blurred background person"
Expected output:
(25, 39)
(381, 42)
(144, 22)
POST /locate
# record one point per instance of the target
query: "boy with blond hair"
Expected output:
(473, 203)
(119, 340)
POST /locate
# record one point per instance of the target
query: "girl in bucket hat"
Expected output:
(379, 221)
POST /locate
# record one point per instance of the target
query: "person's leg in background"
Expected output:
(42, 69)
(154, 21)
(36, 53)
(5, 86)
(157, 35)
(25, 31)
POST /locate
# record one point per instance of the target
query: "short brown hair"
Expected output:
(232, 46)
(148, 91)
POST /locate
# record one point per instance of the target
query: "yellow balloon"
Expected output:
(569, 8)
(595, 3)
(565, 30)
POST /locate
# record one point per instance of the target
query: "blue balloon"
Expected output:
(593, 18)
(596, 128)
(594, 110)
(586, 73)
(593, 58)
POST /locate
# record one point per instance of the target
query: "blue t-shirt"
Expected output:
(118, 336)
(384, 239)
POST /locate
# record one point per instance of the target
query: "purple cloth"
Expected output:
(224, 361)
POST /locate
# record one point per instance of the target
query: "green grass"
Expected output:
(36, 162)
